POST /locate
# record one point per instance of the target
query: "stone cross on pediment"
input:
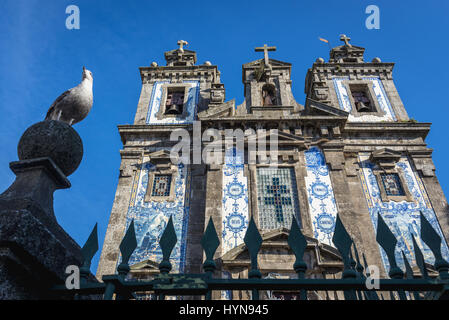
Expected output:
(181, 44)
(346, 40)
(265, 50)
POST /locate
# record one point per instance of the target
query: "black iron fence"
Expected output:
(401, 285)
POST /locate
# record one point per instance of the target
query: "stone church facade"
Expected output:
(350, 149)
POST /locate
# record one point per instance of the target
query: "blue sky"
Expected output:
(40, 58)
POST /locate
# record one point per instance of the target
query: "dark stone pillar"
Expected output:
(34, 250)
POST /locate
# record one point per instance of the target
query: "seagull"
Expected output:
(73, 105)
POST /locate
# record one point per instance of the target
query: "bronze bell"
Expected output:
(361, 107)
(174, 109)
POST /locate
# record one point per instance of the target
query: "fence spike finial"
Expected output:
(210, 243)
(253, 242)
(433, 241)
(372, 294)
(388, 242)
(298, 244)
(90, 247)
(88, 251)
(343, 242)
(409, 274)
(127, 247)
(359, 266)
(408, 268)
(420, 259)
(167, 242)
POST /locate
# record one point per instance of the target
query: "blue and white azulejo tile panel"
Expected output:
(381, 96)
(226, 294)
(150, 218)
(401, 217)
(323, 209)
(234, 201)
(155, 104)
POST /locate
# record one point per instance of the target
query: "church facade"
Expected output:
(350, 149)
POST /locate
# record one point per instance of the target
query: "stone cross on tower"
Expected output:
(181, 44)
(346, 40)
(265, 49)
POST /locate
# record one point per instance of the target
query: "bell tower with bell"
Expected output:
(151, 187)
(361, 88)
(268, 85)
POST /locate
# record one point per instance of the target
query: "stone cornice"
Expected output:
(205, 72)
(252, 118)
(145, 130)
(321, 71)
(380, 129)
(365, 65)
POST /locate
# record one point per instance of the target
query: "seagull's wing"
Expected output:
(56, 102)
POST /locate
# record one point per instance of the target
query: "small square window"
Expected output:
(392, 184)
(161, 185)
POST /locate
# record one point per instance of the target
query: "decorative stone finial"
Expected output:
(320, 60)
(377, 60)
(52, 139)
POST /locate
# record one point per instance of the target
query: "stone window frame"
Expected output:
(162, 108)
(272, 87)
(383, 194)
(151, 176)
(298, 217)
(367, 86)
(256, 93)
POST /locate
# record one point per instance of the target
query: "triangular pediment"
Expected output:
(346, 48)
(279, 135)
(160, 154)
(146, 265)
(385, 153)
(385, 158)
(325, 255)
(346, 53)
(223, 110)
(185, 51)
(314, 107)
(273, 62)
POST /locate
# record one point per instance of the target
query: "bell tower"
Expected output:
(267, 85)
(347, 82)
(151, 188)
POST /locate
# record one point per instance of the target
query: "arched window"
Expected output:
(268, 95)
